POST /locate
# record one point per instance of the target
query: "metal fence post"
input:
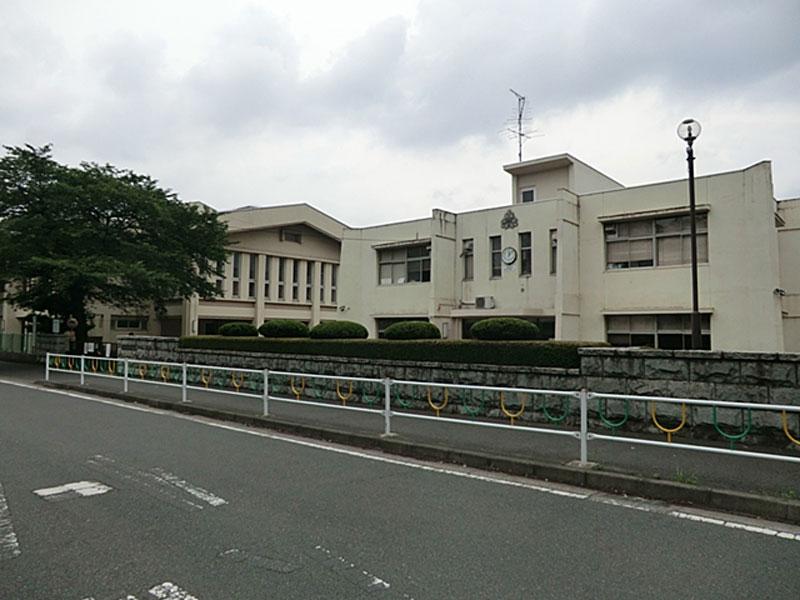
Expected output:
(47, 367)
(83, 365)
(584, 397)
(265, 396)
(183, 384)
(387, 406)
(125, 379)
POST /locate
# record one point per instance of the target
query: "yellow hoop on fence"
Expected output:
(164, 373)
(70, 363)
(57, 362)
(111, 367)
(93, 365)
(511, 416)
(295, 391)
(666, 430)
(339, 393)
(237, 383)
(142, 371)
(438, 407)
(785, 421)
(205, 378)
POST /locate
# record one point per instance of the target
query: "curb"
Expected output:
(741, 503)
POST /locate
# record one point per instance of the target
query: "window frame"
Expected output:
(522, 192)
(496, 256)
(654, 237)
(468, 262)
(418, 265)
(526, 254)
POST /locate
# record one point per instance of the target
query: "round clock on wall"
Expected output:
(509, 255)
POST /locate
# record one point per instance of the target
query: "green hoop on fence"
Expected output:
(371, 397)
(612, 425)
(401, 400)
(734, 437)
(470, 409)
(565, 411)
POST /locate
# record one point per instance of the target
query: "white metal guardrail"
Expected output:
(388, 394)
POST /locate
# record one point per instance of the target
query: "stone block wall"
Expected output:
(736, 377)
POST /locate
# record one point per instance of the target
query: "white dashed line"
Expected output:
(9, 545)
(169, 479)
(170, 591)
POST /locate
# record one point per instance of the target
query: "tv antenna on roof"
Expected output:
(519, 132)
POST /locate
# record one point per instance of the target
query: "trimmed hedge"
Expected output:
(283, 328)
(338, 330)
(412, 330)
(530, 354)
(504, 328)
(238, 330)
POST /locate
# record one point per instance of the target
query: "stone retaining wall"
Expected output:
(737, 377)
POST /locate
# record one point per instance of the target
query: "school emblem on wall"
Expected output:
(509, 220)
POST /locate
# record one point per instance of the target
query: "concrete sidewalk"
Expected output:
(665, 473)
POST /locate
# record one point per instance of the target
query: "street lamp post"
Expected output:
(689, 130)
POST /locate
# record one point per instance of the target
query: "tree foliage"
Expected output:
(74, 237)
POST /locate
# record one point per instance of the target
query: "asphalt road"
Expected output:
(211, 511)
(752, 475)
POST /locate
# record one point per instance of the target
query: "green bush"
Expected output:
(338, 330)
(519, 353)
(283, 328)
(504, 328)
(412, 330)
(238, 330)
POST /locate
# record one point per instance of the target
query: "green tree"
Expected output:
(74, 237)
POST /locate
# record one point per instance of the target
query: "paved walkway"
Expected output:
(754, 475)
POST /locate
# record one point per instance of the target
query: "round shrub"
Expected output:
(238, 330)
(283, 328)
(504, 328)
(412, 330)
(338, 330)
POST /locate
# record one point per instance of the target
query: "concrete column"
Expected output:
(325, 271)
(315, 312)
(227, 284)
(190, 317)
(273, 279)
(260, 313)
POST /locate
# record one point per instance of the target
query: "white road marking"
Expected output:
(784, 531)
(166, 482)
(170, 591)
(340, 563)
(72, 490)
(193, 490)
(9, 544)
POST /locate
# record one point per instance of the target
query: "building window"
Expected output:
(309, 281)
(404, 265)
(527, 195)
(468, 253)
(220, 281)
(267, 260)
(496, 255)
(334, 277)
(281, 279)
(525, 254)
(295, 280)
(322, 283)
(654, 242)
(287, 235)
(251, 282)
(237, 272)
(553, 251)
(666, 332)
(129, 323)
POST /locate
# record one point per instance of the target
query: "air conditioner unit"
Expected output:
(484, 302)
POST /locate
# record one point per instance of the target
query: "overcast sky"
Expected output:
(378, 111)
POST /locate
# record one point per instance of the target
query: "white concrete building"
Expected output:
(574, 251)
(587, 258)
